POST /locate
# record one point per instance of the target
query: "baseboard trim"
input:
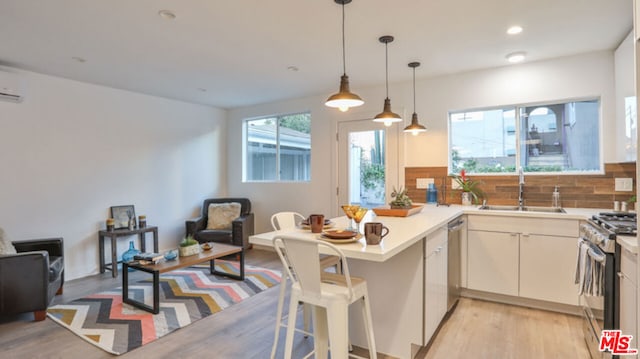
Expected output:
(523, 302)
(263, 248)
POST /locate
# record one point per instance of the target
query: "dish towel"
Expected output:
(597, 275)
(583, 266)
(589, 270)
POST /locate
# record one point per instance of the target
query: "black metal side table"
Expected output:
(117, 233)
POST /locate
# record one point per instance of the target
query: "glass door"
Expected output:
(367, 163)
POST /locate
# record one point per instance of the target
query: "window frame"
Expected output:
(518, 128)
(245, 148)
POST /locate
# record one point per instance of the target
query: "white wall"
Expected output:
(71, 150)
(625, 87)
(585, 75)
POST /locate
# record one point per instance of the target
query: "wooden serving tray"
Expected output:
(386, 211)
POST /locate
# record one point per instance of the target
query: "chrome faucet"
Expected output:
(521, 189)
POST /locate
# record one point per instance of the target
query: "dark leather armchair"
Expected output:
(241, 228)
(31, 278)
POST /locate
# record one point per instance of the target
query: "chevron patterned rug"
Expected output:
(186, 296)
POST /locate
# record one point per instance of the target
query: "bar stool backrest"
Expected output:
(302, 261)
(285, 220)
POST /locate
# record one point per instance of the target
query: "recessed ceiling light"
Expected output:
(167, 14)
(513, 30)
(78, 59)
(516, 57)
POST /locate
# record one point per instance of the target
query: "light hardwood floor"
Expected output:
(477, 329)
(485, 330)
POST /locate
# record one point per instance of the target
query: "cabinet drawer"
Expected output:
(628, 263)
(509, 224)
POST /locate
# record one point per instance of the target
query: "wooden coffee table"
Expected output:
(218, 250)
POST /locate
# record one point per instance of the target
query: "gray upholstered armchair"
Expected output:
(31, 278)
(241, 228)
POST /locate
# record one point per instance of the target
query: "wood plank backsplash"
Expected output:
(576, 191)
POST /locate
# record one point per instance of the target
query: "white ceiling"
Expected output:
(239, 50)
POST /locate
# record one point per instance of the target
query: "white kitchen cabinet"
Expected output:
(547, 268)
(435, 296)
(628, 295)
(523, 256)
(492, 262)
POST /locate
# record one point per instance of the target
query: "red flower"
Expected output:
(467, 184)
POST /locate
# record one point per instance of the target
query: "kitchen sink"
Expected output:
(524, 209)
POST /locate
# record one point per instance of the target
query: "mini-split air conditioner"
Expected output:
(11, 87)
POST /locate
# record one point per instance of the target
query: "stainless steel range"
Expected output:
(617, 222)
(596, 273)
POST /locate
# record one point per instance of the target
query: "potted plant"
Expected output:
(400, 199)
(189, 246)
(470, 190)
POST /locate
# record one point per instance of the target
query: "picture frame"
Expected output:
(121, 215)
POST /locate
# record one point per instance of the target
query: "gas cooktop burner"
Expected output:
(617, 222)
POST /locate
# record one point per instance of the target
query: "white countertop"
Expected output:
(403, 232)
(628, 242)
(571, 213)
(406, 231)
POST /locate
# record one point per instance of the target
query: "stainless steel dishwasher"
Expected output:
(456, 228)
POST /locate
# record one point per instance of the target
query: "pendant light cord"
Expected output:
(414, 90)
(386, 66)
(344, 57)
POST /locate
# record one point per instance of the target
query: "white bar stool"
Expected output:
(330, 294)
(283, 221)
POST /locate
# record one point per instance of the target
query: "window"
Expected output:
(558, 137)
(278, 148)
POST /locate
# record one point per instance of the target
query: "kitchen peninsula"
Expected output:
(395, 272)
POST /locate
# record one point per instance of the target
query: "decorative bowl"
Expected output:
(171, 255)
(390, 212)
(206, 247)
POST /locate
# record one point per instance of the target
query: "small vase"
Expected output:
(466, 198)
(128, 255)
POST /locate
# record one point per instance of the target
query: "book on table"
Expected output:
(151, 257)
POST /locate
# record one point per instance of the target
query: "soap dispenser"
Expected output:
(555, 198)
